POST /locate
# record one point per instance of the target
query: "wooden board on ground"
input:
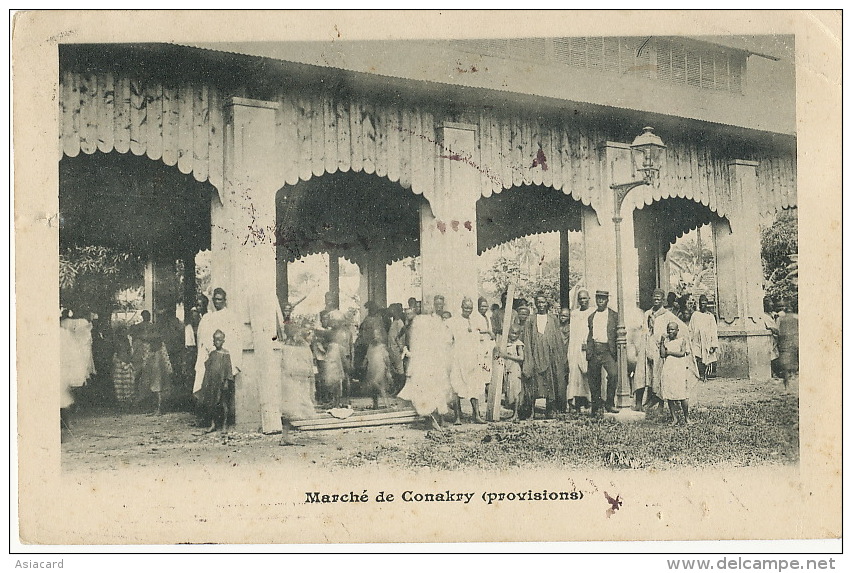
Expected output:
(492, 413)
(328, 422)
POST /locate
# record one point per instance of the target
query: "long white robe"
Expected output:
(466, 374)
(228, 322)
(578, 332)
(428, 384)
(75, 357)
(704, 336)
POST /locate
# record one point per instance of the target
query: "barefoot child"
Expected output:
(508, 364)
(217, 389)
(677, 373)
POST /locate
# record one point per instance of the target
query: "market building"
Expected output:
(377, 151)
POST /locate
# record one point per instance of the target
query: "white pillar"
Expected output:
(600, 242)
(363, 290)
(599, 231)
(746, 344)
(247, 265)
(450, 266)
(599, 251)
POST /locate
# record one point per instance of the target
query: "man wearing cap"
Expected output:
(601, 352)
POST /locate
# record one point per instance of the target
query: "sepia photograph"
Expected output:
(437, 285)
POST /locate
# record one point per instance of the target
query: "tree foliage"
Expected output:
(531, 272)
(90, 277)
(693, 267)
(779, 250)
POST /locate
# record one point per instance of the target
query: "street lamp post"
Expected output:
(646, 151)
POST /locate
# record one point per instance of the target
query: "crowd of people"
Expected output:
(425, 355)
(144, 367)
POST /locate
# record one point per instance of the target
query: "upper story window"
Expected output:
(668, 59)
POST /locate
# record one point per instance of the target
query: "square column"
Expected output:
(189, 283)
(372, 285)
(282, 278)
(564, 269)
(165, 285)
(377, 282)
(746, 344)
(649, 259)
(334, 278)
(450, 265)
(601, 249)
(599, 231)
(244, 256)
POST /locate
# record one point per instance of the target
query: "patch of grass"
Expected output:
(763, 431)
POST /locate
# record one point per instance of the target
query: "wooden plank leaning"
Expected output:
(496, 391)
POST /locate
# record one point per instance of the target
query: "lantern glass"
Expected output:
(647, 153)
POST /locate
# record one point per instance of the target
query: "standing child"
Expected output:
(677, 372)
(217, 389)
(378, 369)
(508, 365)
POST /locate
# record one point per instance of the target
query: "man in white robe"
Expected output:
(467, 376)
(704, 334)
(427, 385)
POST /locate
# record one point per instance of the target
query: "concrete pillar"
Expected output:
(161, 284)
(363, 289)
(377, 282)
(630, 256)
(282, 278)
(165, 285)
(373, 284)
(450, 265)
(599, 251)
(248, 264)
(601, 248)
(746, 344)
(664, 266)
(599, 232)
(564, 269)
(647, 247)
(189, 284)
(334, 278)
(220, 225)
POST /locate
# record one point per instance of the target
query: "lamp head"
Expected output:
(647, 152)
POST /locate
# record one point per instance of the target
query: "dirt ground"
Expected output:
(734, 422)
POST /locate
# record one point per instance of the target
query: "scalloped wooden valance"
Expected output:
(321, 132)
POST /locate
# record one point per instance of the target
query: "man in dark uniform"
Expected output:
(601, 352)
